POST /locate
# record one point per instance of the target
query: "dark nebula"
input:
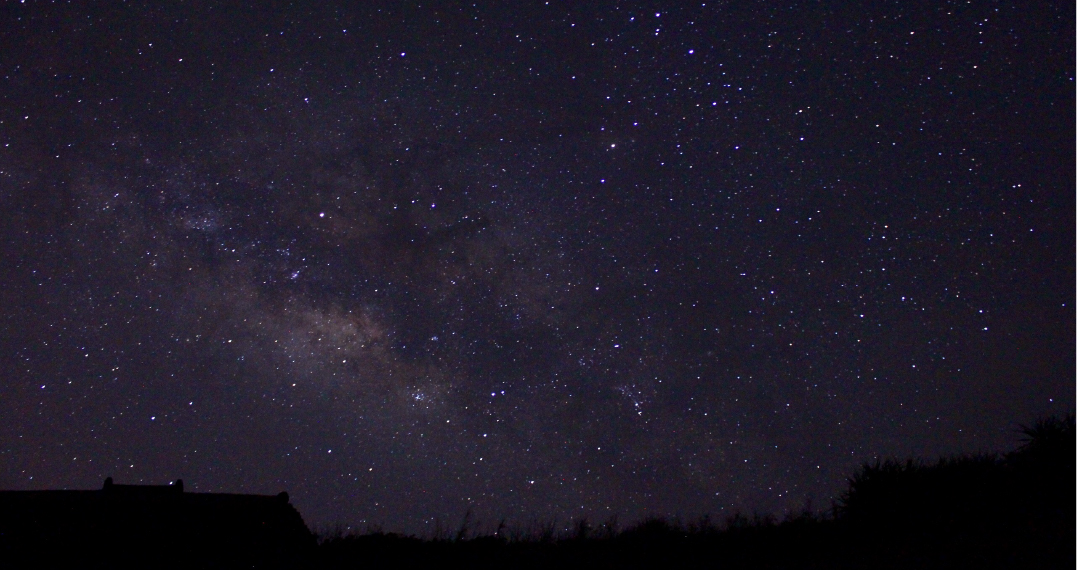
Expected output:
(540, 260)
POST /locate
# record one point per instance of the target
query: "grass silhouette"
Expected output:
(1014, 510)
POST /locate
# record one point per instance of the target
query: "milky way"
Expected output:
(538, 261)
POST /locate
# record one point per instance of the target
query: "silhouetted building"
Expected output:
(151, 526)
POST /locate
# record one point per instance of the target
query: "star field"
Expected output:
(540, 260)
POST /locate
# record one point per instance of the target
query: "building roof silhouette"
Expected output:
(158, 524)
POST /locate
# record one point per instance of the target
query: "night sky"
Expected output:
(540, 260)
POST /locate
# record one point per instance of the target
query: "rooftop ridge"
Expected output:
(176, 487)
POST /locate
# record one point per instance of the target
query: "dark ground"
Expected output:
(1015, 510)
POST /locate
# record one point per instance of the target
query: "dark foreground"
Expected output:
(1010, 511)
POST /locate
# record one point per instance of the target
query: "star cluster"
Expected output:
(540, 260)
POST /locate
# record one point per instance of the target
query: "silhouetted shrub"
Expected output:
(989, 511)
(1015, 510)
